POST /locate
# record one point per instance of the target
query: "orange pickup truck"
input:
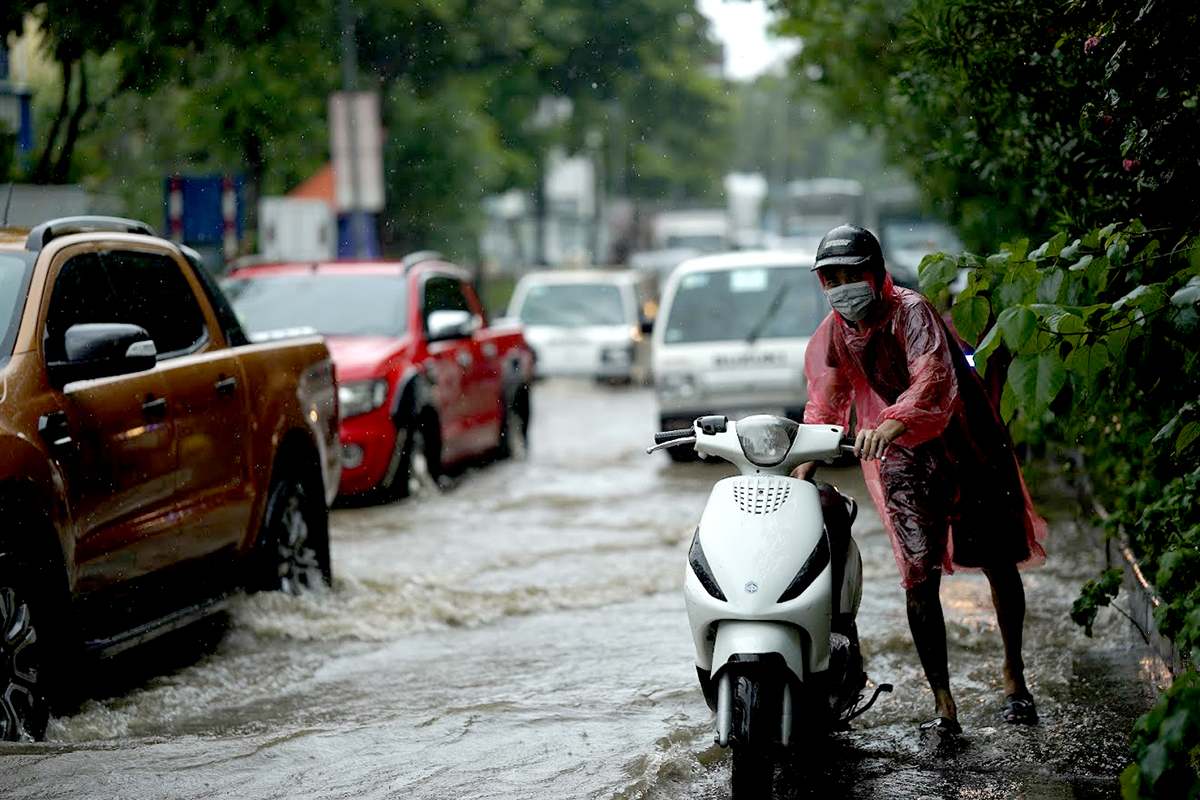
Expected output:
(153, 461)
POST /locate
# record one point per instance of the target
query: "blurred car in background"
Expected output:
(590, 323)
(424, 382)
(731, 335)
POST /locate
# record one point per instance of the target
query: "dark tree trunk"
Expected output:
(62, 166)
(43, 171)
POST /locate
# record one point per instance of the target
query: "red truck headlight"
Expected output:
(359, 397)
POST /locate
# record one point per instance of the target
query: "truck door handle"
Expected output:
(53, 429)
(463, 358)
(154, 407)
(226, 387)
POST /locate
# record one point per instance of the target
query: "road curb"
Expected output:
(1141, 595)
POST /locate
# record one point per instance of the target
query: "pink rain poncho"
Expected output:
(949, 490)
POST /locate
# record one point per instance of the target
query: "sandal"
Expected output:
(1019, 709)
(942, 725)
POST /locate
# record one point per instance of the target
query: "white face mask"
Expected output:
(851, 300)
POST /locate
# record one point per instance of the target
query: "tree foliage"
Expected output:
(1069, 123)
(236, 87)
(1019, 117)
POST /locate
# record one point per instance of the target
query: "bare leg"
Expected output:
(1008, 595)
(928, 627)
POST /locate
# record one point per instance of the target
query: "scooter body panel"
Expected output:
(757, 532)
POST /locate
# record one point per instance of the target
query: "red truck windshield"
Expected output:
(333, 305)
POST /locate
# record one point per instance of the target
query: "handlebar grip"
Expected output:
(670, 436)
(847, 445)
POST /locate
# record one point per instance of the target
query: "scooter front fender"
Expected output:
(753, 637)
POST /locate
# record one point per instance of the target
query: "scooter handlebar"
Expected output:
(662, 437)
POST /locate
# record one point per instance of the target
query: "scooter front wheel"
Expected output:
(753, 773)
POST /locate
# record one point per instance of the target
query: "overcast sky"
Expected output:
(742, 26)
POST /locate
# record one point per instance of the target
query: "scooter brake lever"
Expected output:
(672, 443)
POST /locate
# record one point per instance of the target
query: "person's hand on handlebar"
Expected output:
(804, 471)
(871, 443)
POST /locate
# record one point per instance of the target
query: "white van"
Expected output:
(731, 334)
(586, 323)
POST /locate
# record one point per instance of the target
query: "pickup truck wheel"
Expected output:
(514, 433)
(419, 466)
(295, 549)
(24, 708)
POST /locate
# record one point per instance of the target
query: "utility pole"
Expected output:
(354, 222)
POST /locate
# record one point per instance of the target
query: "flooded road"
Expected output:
(522, 635)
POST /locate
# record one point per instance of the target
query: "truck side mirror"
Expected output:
(450, 324)
(101, 350)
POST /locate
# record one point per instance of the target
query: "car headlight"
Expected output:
(703, 571)
(817, 560)
(359, 397)
(678, 384)
(617, 355)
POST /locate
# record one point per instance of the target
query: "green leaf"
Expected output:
(1018, 324)
(1117, 251)
(1088, 361)
(1012, 293)
(1050, 248)
(1080, 264)
(1050, 287)
(936, 273)
(1017, 250)
(1036, 380)
(987, 346)
(1008, 402)
(1066, 323)
(1131, 297)
(1118, 340)
(971, 316)
(1187, 437)
(1068, 252)
(1189, 294)
(1096, 271)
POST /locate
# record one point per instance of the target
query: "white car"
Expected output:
(731, 334)
(586, 323)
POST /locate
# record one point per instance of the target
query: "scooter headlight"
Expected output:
(703, 571)
(765, 439)
(818, 560)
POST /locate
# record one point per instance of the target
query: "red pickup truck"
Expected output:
(424, 382)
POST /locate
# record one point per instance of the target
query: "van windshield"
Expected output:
(573, 305)
(746, 303)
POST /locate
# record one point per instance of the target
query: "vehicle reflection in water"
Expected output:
(522, 635)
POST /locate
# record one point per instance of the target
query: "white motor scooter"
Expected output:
(772, 589)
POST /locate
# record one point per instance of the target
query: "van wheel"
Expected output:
(24, 707)
(294, 542)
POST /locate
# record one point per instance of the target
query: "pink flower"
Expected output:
(1091, 44)
(1131, 164)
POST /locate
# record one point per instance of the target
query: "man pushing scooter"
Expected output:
(949, 490)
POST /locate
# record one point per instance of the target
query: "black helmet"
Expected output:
(849, 244)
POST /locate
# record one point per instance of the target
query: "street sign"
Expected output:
(356, 142)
